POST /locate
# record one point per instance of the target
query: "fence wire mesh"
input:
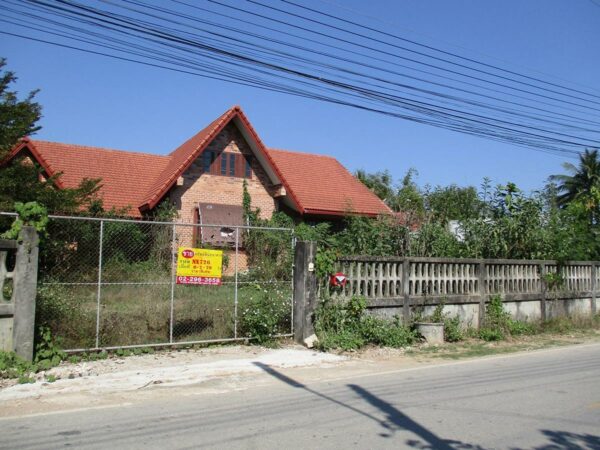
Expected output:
(110, 283)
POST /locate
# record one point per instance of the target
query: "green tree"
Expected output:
(25, 182)
(409, 198)
(22, 183)
(453, 203)
(380, 183)
(580, 182)
(18, 118)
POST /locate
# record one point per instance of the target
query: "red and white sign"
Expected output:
(338, 279)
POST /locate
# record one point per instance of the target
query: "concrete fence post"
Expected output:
(406, 315)
(7, 309)
(544, 292)
(481, 287)
(305, 290)
(593, 288)
(24, 292)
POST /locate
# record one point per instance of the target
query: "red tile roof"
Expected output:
(315, 184)
(322, 186)
(126, 176)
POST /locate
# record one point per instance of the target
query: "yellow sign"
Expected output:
(199, 266)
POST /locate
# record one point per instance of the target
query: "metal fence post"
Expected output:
(235, 292)
(173, 274)
(99, 292)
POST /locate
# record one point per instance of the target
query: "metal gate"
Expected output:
(111, 283)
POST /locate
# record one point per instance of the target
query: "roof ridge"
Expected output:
(300, 153)
(104, 149)
(214, 124)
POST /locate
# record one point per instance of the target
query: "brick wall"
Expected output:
(207, 188)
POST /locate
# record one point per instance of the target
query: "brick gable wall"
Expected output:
(207, 188)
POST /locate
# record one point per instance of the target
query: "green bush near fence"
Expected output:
(499, 325)
(346, 326)
(265, 313)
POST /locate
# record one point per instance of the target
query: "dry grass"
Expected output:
(137, 314)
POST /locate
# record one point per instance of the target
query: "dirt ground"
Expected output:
(120, 381)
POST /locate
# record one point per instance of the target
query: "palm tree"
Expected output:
(582, 180)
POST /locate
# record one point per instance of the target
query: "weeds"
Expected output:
(498, 324)
(265, 314)
(48, 354)
(13, 366)
(346, 326)
(51, 378)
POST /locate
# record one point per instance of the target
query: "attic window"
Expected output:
(208, 158)
(232, 158)
(227, 164)
(224, 163)
(248, 168)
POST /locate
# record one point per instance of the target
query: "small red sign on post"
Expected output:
(338, 279)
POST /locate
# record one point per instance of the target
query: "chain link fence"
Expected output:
(111, 283)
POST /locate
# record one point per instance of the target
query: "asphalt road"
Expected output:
(540, 400)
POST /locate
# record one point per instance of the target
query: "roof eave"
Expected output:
(26, 143)
(338, 213)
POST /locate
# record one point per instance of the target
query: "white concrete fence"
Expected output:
(530, 289)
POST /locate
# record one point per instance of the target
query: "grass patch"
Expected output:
(138, 314)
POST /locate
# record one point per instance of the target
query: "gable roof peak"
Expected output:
(186, 153)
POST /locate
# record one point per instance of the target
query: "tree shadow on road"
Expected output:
(397, 420)
(565, 440)
(394, 420)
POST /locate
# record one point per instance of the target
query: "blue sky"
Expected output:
(97, 101)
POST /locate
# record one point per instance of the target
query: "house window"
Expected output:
(232, 157)
(208, 158)
(223, 163)
(227, 164)
(248, 172)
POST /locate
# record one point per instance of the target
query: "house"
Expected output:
(203, 177)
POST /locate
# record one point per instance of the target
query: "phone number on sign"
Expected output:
(214, 281)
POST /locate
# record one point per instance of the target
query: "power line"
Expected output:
(420, 53)
(428, 47)
(224, 57)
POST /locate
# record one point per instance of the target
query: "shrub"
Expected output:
(265, 314)
(453, 331)
(519, 328)
(48, 352)
(498, 324)
(13, 366)
(386, 333)
(345, 326)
